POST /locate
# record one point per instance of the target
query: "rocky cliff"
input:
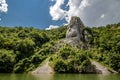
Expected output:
(76, 34)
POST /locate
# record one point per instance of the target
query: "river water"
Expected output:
(60, 77)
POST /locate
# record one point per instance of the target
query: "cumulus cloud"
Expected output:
(90, 11)
(102, 16)
(56, 12)
(51, 27)
(3, 7)
(76, 8)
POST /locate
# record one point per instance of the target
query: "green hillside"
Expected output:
(23, 49)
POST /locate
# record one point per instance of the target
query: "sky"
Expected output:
(47, 14)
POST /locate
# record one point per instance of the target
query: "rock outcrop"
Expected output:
(45, 69)
(97, 68)
(76, 34)
(100, 69)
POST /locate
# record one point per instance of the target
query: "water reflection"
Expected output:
(75, 77)
(43, 76)
(59, 77)
(16, 77)
(109, 77)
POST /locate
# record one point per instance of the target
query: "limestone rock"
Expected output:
(45, 69)
(76, 34)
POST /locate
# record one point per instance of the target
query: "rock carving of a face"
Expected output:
(72, 31)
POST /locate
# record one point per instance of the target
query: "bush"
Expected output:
(69, 60)
(7, 60)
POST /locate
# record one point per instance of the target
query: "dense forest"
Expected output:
(23, 49)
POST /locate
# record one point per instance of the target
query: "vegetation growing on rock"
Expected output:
(70, 60)
(24, 49)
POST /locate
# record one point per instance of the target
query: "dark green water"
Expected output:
(59, 77)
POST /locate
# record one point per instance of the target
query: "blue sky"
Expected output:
(31, 13)
(53, 13)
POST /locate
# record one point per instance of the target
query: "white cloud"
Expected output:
(90, 11)
(3, 6)
(84, 3)
(51, 27)
(56, 12)
(102, 16)
(75, 9)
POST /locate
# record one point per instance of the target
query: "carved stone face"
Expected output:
(72, 31)
(75, 35)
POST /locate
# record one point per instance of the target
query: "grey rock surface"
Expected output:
(76, 34)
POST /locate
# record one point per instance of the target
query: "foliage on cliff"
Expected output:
(22, 49)
(106, 41)
(70, 60)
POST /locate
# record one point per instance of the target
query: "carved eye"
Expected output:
(71, 26)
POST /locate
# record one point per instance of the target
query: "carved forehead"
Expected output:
(72, 26)
(75, 22)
